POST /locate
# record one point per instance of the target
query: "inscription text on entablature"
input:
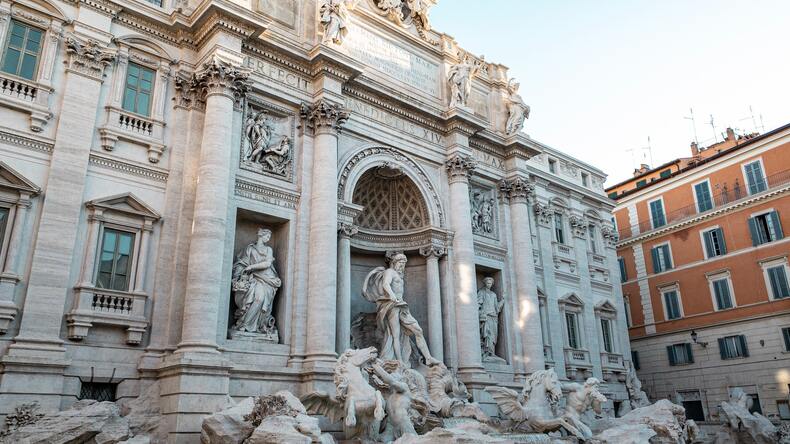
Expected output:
(393, 121)
(280, 75)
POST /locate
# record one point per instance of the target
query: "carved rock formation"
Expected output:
(468, 432)
(743, 426)
(144, 415)
(86, 421)
(666, 420)
(228, 426)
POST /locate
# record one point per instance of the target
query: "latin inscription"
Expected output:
(389, 119)
(488, 159)
(270, 71)
(393, 60)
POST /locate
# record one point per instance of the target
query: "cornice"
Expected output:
(276, 56)
(387, 103)
(103, 7)
(155, 174)
(264, 193)
(12, 138)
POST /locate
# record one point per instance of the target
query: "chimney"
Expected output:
(642, 169)
(694, 149)
(731, 134)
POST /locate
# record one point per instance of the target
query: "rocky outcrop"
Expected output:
(471, 432)
(228, 426)
(144, 416)
(86, 421)
(743, 426)
(664, 420)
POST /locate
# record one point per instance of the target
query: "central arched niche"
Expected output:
(392, 205)
(391, 201)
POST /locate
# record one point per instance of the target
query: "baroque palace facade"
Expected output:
(705, 274)
(193, 192)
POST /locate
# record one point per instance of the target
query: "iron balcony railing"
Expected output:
(726, 194)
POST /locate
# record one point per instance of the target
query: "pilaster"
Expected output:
(345, 232)
(432, 254)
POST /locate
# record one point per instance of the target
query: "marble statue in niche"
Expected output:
(483, 213)
(266, 147)
(384, 287)
(255, 283)
(335, 19)
(517, 110)
(460, 77)
(489, 305)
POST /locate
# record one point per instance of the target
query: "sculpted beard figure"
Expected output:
(384, 287)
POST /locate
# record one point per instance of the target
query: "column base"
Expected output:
(8, 312)
(319, 362)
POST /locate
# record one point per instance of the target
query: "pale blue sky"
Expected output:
(602, 76)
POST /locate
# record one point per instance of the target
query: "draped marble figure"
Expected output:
(255, 282)
(384, 287)
(518, 111)
(460, 78)
(490, 305)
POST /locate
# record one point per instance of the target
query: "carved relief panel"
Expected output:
(267, 144)
(485, 220)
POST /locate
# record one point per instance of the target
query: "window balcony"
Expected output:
(577, 358)
(135, 128)
(612, 361)
(563, 251)
(596, 259)
(26, 96)
(107, 307)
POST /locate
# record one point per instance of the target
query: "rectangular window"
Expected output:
(606, 332)
(585, 179)
(635, 359)
(657, 215)
(139, 87)
(714, 243)
(680, 354)
(3, 224)
(662, 260)
(571, 323)
(155, 2)
(732, 347)
(593, 239)
(627, 301)
(777, 276)
(786, 336)
(115, 260)
(665, 173)
(22, 50)
(553, 166)
(672, 305)
(721, 293)
(623, 273)
(783, 406)
(641, 183)
(765, 228)
(613, 195)
(559, 228)
(703, 196)
(755, 179)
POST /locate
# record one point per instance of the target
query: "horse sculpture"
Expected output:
(356, 402)
(535, 407)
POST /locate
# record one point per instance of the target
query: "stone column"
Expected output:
(459, 168)
(528, 314)
(326, 120)
(88, 265)
(343, 339)
(142, 258)
(434, 297)
(224, 83)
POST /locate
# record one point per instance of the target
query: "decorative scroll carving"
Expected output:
(517, 110)
(484, 214)
(578, 225)
(436, 251)
(324, 116)
(220, 76)
(267, 146)
(543, 213)
(460, 167)
(88, 57)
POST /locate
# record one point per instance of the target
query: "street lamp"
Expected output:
(694, 337)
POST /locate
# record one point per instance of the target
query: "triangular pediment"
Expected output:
(11, 179)
(606, 305)
(125, 203)
(571, 299)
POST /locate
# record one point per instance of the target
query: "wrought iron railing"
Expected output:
(725, 195)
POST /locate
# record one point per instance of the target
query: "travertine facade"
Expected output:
(193, 193)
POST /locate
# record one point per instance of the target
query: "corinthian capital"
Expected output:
(88, 57)
(460, 167)
(346, 230)
(220, 76)
(518, 190)
(324, 116)
(436, 251)
(543, 213)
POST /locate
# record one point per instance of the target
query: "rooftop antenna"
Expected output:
(713, 128)
(693, 124)
(762, 124)
(754, 122)
(650, 151)
(632, 151)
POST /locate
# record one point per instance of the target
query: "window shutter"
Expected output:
(754, 231)
(668, 265)
(654, 253)
(722, 243)
(786, 333)
(745, 349)
(689, 353)
(635, 354)
(777, 225)
(709, 244)
(671, 354)
(722, 351)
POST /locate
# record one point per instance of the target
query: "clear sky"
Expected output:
(603, 76)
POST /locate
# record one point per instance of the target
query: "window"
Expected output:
(732, 347)
(777, 278)
(585, 179)
(593, 239)
(572, 324)
(115, 261)
(606, 333)
(155, 2)
(755, 179)
(783, 406)
(553, 166)
(714, 243)
(99, 391)
(721, 293)
(641, 183)
(139, 87)
(703, 196)
(22, 50)
(662, 259)
(627, 302)
(3, 224)
(623, 272)
(559, 228)
(665, 173)
(657, 216)
(765, 228)
(786, 336)
(613, 195)
(680, 354)
(672, 305)
(635, 359)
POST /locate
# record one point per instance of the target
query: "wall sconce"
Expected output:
(694, 337)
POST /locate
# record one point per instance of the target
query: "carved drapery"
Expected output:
(324, 116)
(88, 57)
(460, 167)
(484, 212)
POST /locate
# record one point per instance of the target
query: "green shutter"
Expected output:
(722, 243)
(786, 334)
(671, 355)
(722, 349)
(654, 253)
(689, 353)
(635, 354)
(709, 243)
(745, 349)
(668, 265)
(754, 232)
(777, 226)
